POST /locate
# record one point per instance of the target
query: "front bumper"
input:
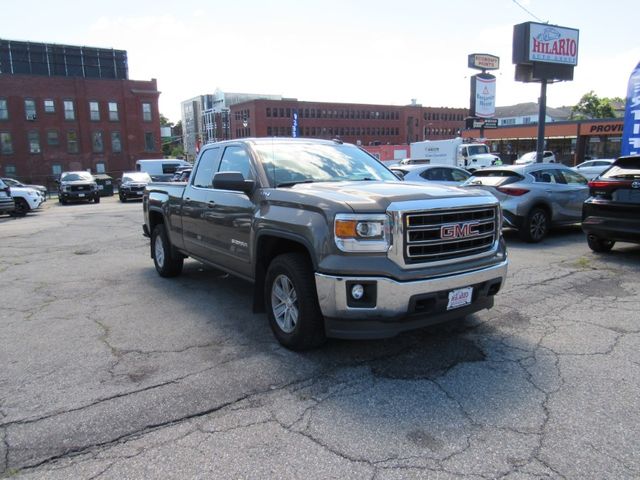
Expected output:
(131, 193)
(400, 306)
(85, 195)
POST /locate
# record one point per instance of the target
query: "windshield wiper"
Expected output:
(291, 184)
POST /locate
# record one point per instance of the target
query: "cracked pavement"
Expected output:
(111, 372)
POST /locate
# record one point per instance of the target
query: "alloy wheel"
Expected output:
(284, 302)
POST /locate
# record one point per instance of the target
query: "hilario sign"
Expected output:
(631, 132)
(551, 44)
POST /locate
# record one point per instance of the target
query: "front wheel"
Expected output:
(600, 245)
(167, 262)
(96, 200)
(22, 207)
(292, 302)
(535, 226)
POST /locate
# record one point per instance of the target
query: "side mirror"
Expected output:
(233, 181)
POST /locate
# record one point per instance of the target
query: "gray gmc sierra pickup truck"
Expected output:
(335, 244)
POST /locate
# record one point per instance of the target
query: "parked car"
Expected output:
(77, 186)
(535, 196)
(612, 212)
(441, 174)
(530, 157)
(132, 185)
(7, 205)
(592, 168)
(12, 182)
(26, 199)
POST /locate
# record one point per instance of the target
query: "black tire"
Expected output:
(22, 207)
(122, 199)
(600, 245)
(297, 321)
(96, 200)
(168, 263)
(535, 226)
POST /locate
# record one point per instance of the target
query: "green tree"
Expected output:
(592, 106)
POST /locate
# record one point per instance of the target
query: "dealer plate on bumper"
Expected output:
(460, 297)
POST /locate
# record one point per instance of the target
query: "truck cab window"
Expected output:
(236, 159)
(206, 168)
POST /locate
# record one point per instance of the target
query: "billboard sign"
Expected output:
(483, 61)
(631, 130)
(483, 95)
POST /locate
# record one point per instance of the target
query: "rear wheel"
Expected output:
(167, 262)
(599, 245)
(292, 302)
(535, 226)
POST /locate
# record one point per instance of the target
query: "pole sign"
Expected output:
(631, 131)
(551, 44)
(483, 61)
(483, 95)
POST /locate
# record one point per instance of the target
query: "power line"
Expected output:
(523, 8)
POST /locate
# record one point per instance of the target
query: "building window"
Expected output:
(56, 169)
(268, 111)
(146, 112)
(30, 109)
(10, 170)
(149, 143)
(52, 137)
(34, 142)
(6, 146)
(97, 145)
(69, 110)
(94, 111)
(49, 106)
(4, 109)
(72, 142)
(113, 112)
(100, 167)
(116, 142)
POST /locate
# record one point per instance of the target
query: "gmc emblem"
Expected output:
(459, 230)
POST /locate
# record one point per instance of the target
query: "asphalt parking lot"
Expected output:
(109, 371)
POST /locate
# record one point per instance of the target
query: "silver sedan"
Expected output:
(534, 197)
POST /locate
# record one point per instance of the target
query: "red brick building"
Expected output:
(62, 109)
(354, 123)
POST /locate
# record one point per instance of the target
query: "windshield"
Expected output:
(477, 149)
(136, 177)
(290, 163)
(75, 176)
(493, 178)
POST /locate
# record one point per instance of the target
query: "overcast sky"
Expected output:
(370, 51)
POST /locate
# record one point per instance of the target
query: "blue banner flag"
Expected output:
(631, 132)
(294, 124)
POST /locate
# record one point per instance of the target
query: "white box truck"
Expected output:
(471, 156)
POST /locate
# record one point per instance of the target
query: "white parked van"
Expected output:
(160, 169)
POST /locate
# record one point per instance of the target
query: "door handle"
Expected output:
(211, 204)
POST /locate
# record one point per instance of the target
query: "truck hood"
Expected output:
(373, 197)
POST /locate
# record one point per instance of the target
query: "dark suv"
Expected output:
(612, 212)
(77, 186)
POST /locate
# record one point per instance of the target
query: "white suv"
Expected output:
(530, 157)
(26, 199)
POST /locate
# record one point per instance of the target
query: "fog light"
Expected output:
(357, 291)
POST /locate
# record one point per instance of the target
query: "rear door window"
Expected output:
(207, 166)
(573, 178)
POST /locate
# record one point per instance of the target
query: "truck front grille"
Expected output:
(445, 235)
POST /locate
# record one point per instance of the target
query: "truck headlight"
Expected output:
(361, 232)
